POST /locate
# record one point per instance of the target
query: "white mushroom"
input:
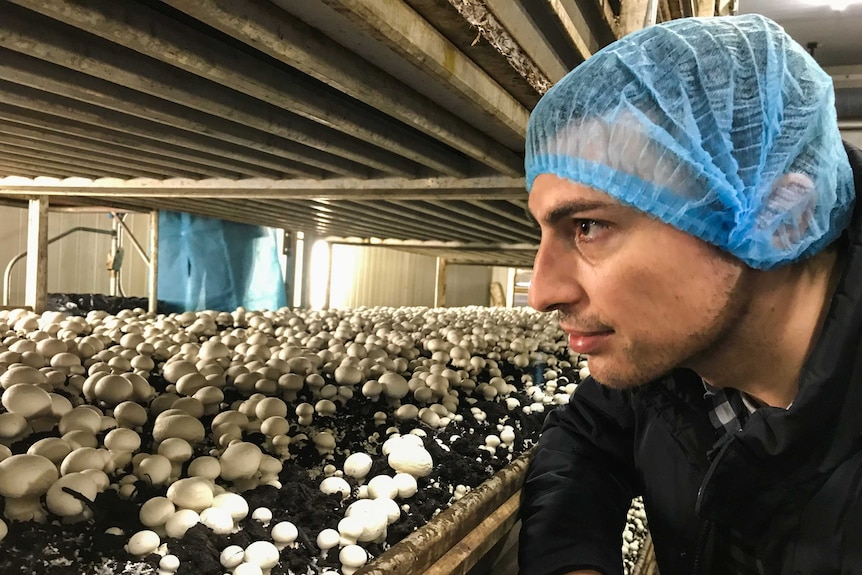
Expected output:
(332, 485)
(143, 543)
(64, 504)
(191, 493)
(180, 522)
(357, 465)
(283, 534)
(262, 553)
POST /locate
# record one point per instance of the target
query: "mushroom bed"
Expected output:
(261, 442)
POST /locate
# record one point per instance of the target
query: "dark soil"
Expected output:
(55, 549)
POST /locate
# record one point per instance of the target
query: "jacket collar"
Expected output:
(782, 456)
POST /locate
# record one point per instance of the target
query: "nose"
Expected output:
(555, 282)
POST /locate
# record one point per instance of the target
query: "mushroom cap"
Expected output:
(130, 414)
(143, 543)
(218, 519)
(22, 374)
(352, 556)
(180, 522)
(328, 538)
(123, 439)
(284, 532)
(85, 458)
(234, 503)
(156, 511)
(113, 389)
(27, 400)
(64, 504)
(413, 460)
(205, 466)
(333, 484)
(240, 460)
(262, 553)
(81, 418)
(358, 465)
(54, 448)
(26, 475)
(394, 385)
(191, 493)
(181, 425)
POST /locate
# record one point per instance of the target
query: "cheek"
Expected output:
(660, 298)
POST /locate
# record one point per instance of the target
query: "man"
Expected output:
(695, 203)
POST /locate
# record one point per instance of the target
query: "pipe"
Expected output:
(7, 274)
(153, 262)
(138, 247)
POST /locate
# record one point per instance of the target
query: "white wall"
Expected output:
(467, 285)
(76, 264)
(853, 136)
(370, 276)
(363, 276)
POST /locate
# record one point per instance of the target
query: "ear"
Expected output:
(788, 210)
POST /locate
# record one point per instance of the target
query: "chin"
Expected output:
(620, 377)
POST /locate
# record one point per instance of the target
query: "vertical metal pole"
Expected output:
(510, 287)
(154, 262)
(115, 244)
(651, 13)
(288, 248)
(328, 295)
(632, 15)
(440, 290)
(36, 292)
(307, 245)
(705, 8)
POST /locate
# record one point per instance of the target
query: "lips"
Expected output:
(588, 342)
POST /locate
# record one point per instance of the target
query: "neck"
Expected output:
(763, 354)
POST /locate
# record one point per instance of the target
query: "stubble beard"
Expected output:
(645, 362)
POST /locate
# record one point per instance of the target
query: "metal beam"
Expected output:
(36, 290)
(274, 32)
(406, 33)
(167, 154)
(516, 19)
(40, 75)
(485, 219)
(153, 34)
(27, 149)
(51, 141)
(228, 156)
(586, 24)
(443, 211)
(60, 45)
(432, 245)
(39, 167)
(336, 188)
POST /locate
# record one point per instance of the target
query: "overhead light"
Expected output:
(834, 4)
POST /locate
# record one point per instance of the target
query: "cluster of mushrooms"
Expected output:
(84, 386)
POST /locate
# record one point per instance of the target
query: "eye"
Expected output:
(588, 230)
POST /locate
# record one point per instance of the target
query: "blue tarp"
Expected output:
(213, 264)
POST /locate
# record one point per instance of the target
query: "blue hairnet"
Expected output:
(724, 128)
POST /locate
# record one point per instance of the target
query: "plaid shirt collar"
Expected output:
(730, 410)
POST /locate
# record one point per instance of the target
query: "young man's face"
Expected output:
(637, 296)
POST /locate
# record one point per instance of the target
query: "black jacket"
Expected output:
(789, 483)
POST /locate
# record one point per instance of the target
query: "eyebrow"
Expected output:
(568, 209)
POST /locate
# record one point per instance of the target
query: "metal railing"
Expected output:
(7, 274)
